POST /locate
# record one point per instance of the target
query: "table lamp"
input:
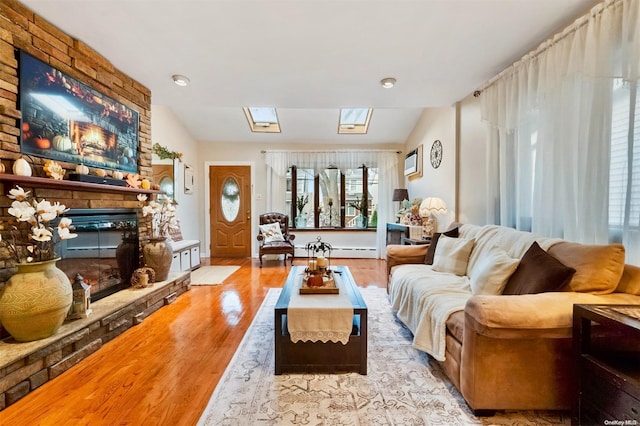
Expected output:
(429, 208)
(400, 195)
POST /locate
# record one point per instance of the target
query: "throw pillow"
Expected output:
(452, 255)
(431, 251)
(538, 272)
(491, 272)
(271, 232)
(598, 268)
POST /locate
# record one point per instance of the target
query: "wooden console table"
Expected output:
(395, 232)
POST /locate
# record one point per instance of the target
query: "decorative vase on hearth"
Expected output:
(35, 301)
(127, 257)
(157, 254)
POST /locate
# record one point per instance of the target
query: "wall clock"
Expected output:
(436, 154)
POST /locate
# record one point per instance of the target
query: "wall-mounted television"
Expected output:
(65, 120)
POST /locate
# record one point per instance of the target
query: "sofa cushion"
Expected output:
(455, 325)
(452, 255)
(491, 272)
(598, 267)
(538, 272)
(272, 232)
(431, 251)
(630, 280)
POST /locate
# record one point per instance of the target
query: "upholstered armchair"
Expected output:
(274, 237)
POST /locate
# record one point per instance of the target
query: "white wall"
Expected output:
(250, 153)
(436, 124)
(170, 133)
(460, 180)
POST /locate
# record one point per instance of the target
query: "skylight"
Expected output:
(354, 120)
(262, 119)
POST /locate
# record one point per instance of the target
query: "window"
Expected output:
(354, 120)
(262, 119)
(624, 172)
(328, 198)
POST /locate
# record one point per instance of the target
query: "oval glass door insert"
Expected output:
(230, 201)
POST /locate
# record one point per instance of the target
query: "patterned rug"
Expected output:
(404, 386)
(212, 275)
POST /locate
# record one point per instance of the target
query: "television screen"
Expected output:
(66, 120)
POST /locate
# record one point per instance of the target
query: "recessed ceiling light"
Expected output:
(388, 82)
(180, 80)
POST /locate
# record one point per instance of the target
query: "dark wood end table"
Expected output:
(606, 343)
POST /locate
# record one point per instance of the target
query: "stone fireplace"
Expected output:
(25, 367)
(106, 251)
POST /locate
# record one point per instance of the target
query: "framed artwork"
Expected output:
(189, 179)
(65, 120)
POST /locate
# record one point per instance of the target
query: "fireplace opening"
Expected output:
(106, 251)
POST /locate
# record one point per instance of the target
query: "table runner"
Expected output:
(320, 317)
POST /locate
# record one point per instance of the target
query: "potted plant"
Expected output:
(301, 201)
(361, 205)
(36, 299)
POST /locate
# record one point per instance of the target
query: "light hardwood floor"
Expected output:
(163, 371)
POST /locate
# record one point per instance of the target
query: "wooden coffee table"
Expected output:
(318, 357)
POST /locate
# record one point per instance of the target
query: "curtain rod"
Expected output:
(336, 150)
(552, 41)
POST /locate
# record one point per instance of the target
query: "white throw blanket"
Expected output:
(423, 300)
(320, 317)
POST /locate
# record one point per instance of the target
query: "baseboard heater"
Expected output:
(344, 252)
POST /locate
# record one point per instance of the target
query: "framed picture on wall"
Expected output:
(189, 179)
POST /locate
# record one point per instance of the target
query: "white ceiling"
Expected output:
(308, 58)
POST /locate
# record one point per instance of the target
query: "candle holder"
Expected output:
(318, 277)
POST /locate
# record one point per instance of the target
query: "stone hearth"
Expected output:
(26, 366)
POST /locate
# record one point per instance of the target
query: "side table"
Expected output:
(414, 242)
(606, 343)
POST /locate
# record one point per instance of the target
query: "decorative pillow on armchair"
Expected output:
(452, 255)
(271, 232)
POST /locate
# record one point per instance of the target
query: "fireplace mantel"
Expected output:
(30, 181)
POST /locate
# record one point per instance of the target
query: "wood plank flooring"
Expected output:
(163, 371)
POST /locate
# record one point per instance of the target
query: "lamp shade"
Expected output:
(400, 195)
(432, 205)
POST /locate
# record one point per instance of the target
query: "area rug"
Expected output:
(212, 275)
(404, 386)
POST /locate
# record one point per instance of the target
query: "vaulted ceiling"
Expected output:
(309, 58)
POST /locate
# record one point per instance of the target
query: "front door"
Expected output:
(230, 210)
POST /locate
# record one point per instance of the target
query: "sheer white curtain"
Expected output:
(549, 126)
(279, 163)
(388, 181)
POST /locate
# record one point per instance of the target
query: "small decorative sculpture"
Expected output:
(143, 277)
(318, 277)
(81, 304)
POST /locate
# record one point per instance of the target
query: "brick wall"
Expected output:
(20, 28)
